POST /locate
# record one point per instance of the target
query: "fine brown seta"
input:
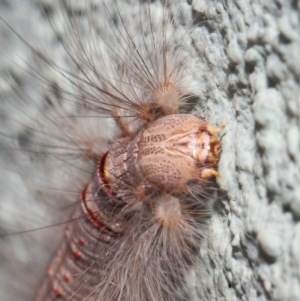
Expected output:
(135, 233)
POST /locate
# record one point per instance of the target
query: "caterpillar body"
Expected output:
(138, 191)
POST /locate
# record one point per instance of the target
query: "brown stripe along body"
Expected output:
(135, 232)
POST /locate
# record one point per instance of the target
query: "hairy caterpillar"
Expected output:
(154, 224)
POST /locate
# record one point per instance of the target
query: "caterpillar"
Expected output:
(128, 158)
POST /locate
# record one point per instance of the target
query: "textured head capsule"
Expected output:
(169, 154)
(175, 150)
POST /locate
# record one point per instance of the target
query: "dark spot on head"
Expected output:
(192, 182)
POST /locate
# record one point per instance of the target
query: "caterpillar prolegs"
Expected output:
(140, 190)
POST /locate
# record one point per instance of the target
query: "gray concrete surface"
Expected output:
(247, 55)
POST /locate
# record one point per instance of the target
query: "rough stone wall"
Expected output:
(249, 54)
(253, 247)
